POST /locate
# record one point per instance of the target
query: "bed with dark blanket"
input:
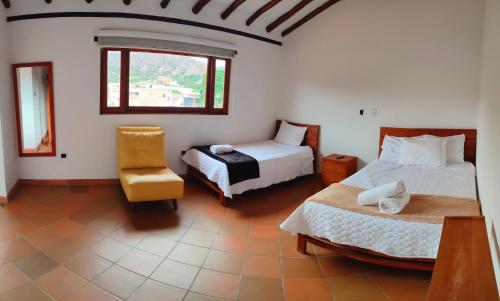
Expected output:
(240, 166)
(252, 166)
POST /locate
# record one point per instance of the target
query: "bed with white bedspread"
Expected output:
(435, 165)
(393, 237)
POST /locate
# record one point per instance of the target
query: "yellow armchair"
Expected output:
(142, 166)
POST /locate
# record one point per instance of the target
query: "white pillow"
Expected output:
(425, 152)
(454, 148)
(391, 147)
(290, 134)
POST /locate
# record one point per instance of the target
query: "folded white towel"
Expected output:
(374, 195)
(220, 149)
(394, 205)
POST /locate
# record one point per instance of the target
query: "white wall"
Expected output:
(416, 62)
(89, 138)
(488, 164)
(8, 147)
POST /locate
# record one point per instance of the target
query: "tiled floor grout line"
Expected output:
(99, 274)
(161, 263)
(32, 281)
(317, 257)
(244, 259)
(131, 249)
(88, 249)
(282, 267)
(283, 297)
(46, 292)
(163, 260)
(197, 274)
(384, 293)
(203, 263)
(130, 295)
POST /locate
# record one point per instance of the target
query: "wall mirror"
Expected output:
(34, 97)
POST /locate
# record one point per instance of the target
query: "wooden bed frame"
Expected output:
(373, 257)
(311, 138)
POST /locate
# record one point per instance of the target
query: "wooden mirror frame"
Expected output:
(51, 119)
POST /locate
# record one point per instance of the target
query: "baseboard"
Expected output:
(68, 182)
(13, 190)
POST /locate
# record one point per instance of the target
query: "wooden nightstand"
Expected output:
(336, 170)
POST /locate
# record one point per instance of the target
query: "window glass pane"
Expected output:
(220, 75)
(114, 65)
(167, 80)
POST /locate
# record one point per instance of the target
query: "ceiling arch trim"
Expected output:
(141, 17)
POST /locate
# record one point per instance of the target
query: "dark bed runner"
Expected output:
(240, 166)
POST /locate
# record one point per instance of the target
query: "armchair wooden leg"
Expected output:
(174, 204)
(301, 244)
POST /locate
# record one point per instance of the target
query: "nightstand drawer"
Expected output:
(333, 168)
(329, 179)
(337, 169)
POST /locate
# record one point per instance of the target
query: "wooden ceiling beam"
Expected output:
(231, 8)
(262, 10)
(164, 3)
(309, 16)
(199, 6)
(287, 15)
(6, 3)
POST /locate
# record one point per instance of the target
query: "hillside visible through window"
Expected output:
(114, 66)
(148, 81)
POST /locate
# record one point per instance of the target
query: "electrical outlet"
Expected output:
(64, 156)
(375, 112)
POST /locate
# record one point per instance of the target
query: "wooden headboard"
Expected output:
(470, 137)
(311, 137)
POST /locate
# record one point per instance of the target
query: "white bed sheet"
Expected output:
(456, 179)
(392, 237)
(277, 163)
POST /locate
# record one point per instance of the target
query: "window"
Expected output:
(150, 81)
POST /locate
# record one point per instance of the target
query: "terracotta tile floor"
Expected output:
(83, 243)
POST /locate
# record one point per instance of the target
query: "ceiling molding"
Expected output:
(164, 3)
(261, 11)
(309, 16)
(199, 6)
(287, 15)
(6, 3)
(231, 8)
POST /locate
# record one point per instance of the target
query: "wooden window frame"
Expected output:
(124, 107)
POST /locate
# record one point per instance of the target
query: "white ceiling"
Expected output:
(179, 9)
